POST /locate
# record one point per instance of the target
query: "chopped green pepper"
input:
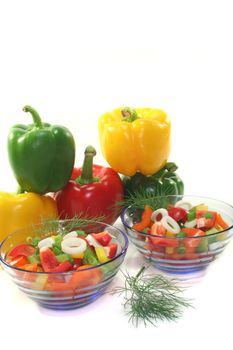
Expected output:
(212, 239)
(57, 250)
(81, 233)
(90, 257)
(57, 240)
(181, 235)
(181, 249)
(208, 215)
(203, 246)
(34, 259)
(191, 214)
(64, 257)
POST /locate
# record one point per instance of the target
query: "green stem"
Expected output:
(87, 172)
(168, 169)
(129, 114)
(140, 271)
(171, 167)
(35, 116)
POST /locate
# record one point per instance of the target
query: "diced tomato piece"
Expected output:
(103, 238)
(19, 261)
(178, 214)
(192, 232)
(111, 250)
(22, 250)
(48, 259)
(85, 278)
(208, 222)
(77, 262)
(29, 277)
(200, 213)
(157, 229)
(62, 267)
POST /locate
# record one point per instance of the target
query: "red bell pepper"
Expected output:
(93, 191)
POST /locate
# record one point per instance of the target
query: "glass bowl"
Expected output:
(66, 290)
(196, 252)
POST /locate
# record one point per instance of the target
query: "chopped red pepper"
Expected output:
(22, 250)
(62, 267)
(178, 214)
(111, 250)
(19, 261)
(145, 220)
(102, 238)
(48, 259)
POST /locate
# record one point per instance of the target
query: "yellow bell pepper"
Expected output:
(21, 210)
(135, 140)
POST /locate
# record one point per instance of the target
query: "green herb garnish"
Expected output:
(53, 226)
(150, 298)
(140, 198)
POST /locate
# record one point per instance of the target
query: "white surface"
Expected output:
(74, 60)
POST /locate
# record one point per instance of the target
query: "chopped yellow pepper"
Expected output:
(135, 140)
(21, 210)
(101, 255)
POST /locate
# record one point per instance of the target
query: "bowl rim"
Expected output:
(123, 251)
(162, 237)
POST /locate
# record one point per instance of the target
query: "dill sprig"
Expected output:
(52, 225)
(140, 198)
(150, 298)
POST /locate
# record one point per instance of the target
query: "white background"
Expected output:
(74, 60)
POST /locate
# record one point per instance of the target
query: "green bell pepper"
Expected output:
(163, 183)
(41, 155)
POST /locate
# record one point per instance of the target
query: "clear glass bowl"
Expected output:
(67, 290)
(163, 253)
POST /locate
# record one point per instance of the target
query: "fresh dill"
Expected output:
(150, 298)
(140, 198)
(51, 225)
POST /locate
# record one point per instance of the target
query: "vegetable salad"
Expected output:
(182, 231)
(73, 251)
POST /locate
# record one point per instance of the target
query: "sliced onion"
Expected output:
(161, 211)
(190, 224)
(183, 204)
(46, 242)
(92, 241)
(73, 245)
(71, 234)
(170, 224)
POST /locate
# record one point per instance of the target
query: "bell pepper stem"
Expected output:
(35, 116)
(129, 114)
(87, 171)
(169, 168)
